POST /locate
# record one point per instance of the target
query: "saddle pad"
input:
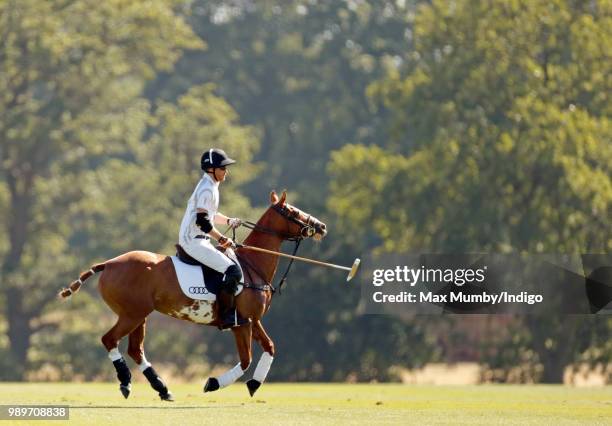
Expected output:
(191, 280)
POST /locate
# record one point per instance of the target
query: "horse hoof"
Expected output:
(125, 390)
(211, 385)
(166, 397)
(253, 385)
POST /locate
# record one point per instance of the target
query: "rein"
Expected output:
(283, 280)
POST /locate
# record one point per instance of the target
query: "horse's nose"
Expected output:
(323, 228)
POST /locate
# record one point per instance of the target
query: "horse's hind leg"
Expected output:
(123, 327)
(242, 335)
(265, 362)
(136, 352)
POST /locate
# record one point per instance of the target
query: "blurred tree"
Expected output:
(298, 71)
(502, 129)
(71, 76)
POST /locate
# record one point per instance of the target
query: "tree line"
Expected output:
(408, 125)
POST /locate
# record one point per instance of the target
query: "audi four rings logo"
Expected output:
(198, 290)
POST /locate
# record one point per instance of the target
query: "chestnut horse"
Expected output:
(138, 282)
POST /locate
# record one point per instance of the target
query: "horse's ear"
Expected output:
(283, 197)
(273, 197)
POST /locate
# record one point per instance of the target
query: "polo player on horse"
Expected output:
(198, 227)
(137, 283)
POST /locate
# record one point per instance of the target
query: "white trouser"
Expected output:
(202, 250)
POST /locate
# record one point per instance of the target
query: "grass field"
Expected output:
(102, 404)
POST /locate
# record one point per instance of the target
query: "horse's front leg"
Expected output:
(265, 362)
(243, 335)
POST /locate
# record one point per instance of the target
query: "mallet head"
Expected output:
(353, 270)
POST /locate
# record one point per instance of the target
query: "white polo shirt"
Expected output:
(205, 196)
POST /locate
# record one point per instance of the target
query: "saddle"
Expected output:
(212, 278)
(213, 281)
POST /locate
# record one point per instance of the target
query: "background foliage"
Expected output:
(404, 125)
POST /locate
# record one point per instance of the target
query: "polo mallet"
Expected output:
(352, 270)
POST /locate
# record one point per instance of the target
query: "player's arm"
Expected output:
(204, 222)
(221, 219)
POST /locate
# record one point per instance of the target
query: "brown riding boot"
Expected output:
(226, 310)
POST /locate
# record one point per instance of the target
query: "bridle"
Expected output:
(307, 230)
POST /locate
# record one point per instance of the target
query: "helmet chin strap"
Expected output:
(214, 175)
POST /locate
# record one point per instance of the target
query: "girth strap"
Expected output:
(262, 287)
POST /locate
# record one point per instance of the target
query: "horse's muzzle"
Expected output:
(320, 230)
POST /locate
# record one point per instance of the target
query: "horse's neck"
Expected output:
(264, 264)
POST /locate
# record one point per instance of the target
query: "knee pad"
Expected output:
(233, 275)
(233, 272)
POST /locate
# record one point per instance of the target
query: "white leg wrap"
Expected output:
(114, 354)
(263, 367)
(230, 376)
(144, 364)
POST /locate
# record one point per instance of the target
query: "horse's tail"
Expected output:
(74, 286)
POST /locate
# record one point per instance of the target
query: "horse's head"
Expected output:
(295, 223)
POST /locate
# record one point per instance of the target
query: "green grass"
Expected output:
(102, 404)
